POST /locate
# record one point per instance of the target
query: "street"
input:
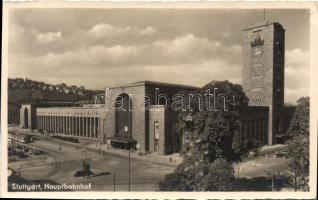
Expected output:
(63, 159)
(144, 175)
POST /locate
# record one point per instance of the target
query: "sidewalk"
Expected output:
(172, 159)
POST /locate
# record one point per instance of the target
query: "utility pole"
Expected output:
(238, 170)
(273, 182)
(114, 181)
(295, 180)
(19, 168)
(129, 170)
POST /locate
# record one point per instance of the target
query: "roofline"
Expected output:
(145, 82)
(70, 107)
(260, 25)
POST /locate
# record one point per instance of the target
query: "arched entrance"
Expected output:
(123, 123)
(123, 116)
(26, 118)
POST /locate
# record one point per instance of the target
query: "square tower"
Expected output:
(263, 70)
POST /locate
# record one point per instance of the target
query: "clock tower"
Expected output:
(263, 70)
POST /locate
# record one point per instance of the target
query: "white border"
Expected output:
(167, 195)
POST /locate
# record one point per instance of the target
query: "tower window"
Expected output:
(257, 65)
(257, 77)
(258, 89)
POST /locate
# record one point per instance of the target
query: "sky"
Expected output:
(100, 48)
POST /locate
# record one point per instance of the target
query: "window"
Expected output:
(257, 100)
(257, 65)
(257, 77)
(258, 89)
(156, 136)
(156, 130)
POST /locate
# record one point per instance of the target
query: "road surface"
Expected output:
(145, 175)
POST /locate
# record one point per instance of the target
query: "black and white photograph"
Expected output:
(157, 99)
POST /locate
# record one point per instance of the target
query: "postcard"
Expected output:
(162, 100)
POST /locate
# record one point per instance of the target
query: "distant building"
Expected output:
(13, 113)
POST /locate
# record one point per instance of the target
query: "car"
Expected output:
(281, 154)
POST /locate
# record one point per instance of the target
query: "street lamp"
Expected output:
(272, 178)
(19, 169)
(272, 175)
(238, 169)
(114, 181)
(129, 169)
(126, 132)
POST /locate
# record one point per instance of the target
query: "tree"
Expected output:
(298, 146)
(203, 176)
(212, 140)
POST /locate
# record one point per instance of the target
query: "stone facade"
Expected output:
(157, 129)
(71, 121)
(28, 116)
(143, 114)
(263, 71)
(138, 122)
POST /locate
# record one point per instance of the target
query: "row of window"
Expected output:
(254, 130)
(72, 114)
(257, 77)
(257, 65)
(257, 89)
(257, 100)
(70, 125)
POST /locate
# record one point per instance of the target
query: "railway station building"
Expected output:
(147, 126)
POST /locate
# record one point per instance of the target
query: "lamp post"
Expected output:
(273, 186)
(129, 169)
(271, 174)
(114, 181)
(19, 169)
(126, 132)
(238, 170)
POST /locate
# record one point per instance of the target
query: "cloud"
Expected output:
(292, 95)
(296, 74)
(187, 59)
(34, 42)
(187, 44)
(190, 48)
(20, 38)
(185, 50)
(25, 40)
(103, 30)
(44, 38)
(16, 33)
(148, 31)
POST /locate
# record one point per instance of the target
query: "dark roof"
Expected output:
(147, 82)
(260, 24)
